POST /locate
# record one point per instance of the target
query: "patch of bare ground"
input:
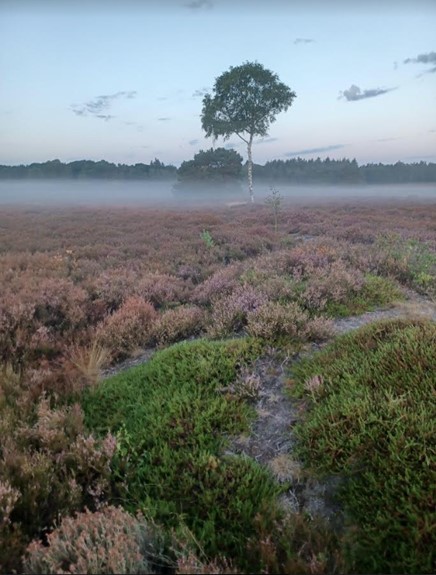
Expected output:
(270, 440)
(416, 305)
(142, 356)
(271, 443)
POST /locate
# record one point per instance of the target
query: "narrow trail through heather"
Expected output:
(271, 439)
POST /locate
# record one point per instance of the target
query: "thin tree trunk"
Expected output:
(250, 169)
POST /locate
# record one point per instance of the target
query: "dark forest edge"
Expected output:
(296, 170)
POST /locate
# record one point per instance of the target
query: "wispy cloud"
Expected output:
(200, 92)
(354, 93)
(387, 139)
(428, 59)
(307, 151)
(105, 117)
(101, 104)
(304, 40)
(199, 4)
(165, 119)
(193, 142)
(266, 141)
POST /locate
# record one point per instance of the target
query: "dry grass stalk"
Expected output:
(90, 361)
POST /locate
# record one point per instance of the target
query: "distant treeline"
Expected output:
(301, 171)
(82, 169)
(297, 170)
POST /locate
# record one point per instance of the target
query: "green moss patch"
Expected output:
(170, 417)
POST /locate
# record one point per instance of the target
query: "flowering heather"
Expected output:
(129, 328)
(333, 283)
(179, 323)
(107, 541)
(80, 284)
(221, 283)
(273, 320)
(49, 465)
(229, 313)
(162, 289)
(60, 281)
(112, 287)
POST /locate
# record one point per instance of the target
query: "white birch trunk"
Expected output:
(250, 169)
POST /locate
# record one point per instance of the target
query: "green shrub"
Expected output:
(410, 260)
(376, 291)
(372, 419)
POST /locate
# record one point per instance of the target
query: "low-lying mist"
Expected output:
(167, 194)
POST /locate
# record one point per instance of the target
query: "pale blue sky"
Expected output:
(122, 81)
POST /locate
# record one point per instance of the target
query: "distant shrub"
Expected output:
(112, 287)
(16, 327)
(278, 288)
(273, 321)
(305, 258)
(221, 283)
(60, 304)
(229, 314)
(333, 283)
(161, 289)
(109, 541)
(176, 324)
(129, 328)
(33, 324)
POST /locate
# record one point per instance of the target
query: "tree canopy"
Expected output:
(216, 165)
(245, 102)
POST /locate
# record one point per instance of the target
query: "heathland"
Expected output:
(244, 389)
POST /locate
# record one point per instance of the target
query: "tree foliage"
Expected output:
(245, 101)
(219, 165)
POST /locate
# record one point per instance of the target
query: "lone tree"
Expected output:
(245, 102)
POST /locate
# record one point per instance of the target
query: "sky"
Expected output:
(124, 80)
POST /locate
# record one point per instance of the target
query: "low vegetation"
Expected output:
(141, 459)
(170, 422)
(371, 419)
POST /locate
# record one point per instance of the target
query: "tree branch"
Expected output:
(243, 139)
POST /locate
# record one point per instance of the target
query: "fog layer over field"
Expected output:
(143, 193)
